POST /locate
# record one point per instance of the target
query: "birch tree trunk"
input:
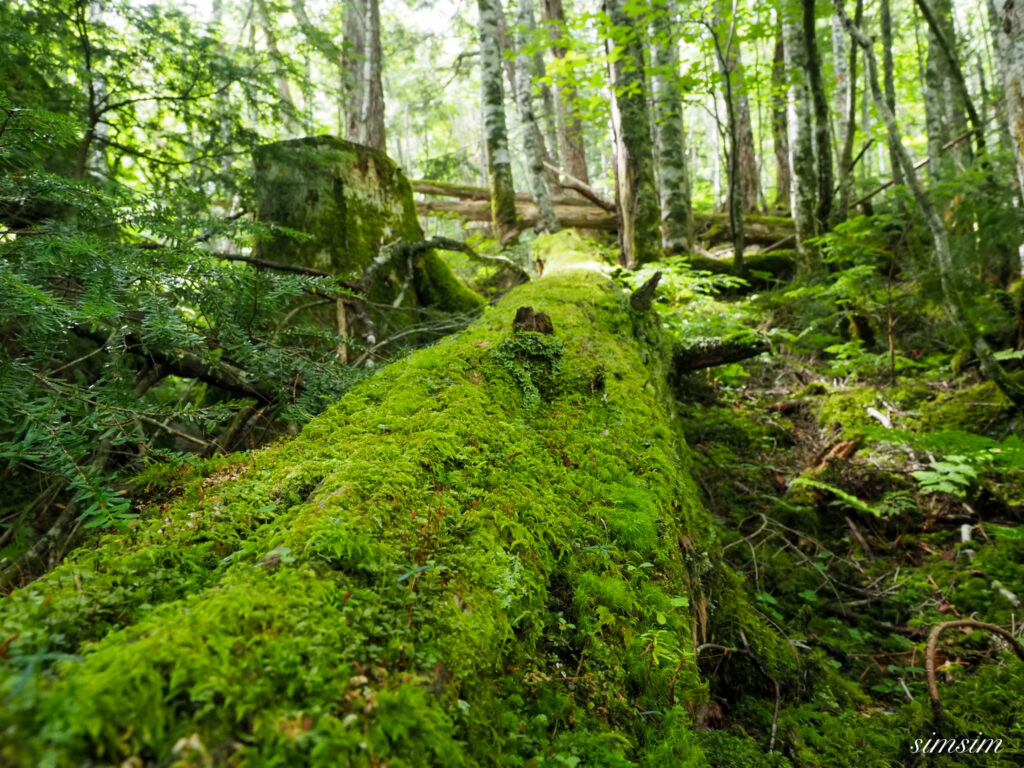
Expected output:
(570, 129)
(635, 189)
(889, 69)
(533, 144)
(952, 294)
(499, 161)
(725, 40)
(363, 89)
(846, 106)
(943, 120)
(674, 182)
(803, 177)
(780, 138)
(1011, 53)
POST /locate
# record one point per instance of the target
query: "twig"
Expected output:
(933, 640)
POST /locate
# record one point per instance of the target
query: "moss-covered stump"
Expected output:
(490, 553)
(355, 204)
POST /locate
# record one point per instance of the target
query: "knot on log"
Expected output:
(528, 320)
(644, 295)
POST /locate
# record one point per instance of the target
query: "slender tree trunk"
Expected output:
(846, 106)
(636, 190)
(780, 138)
(889, 75)
(499, 161)
(674, 186)
(953, 296)
(570, 129)
(533, 144)
(944, 115)
(803, 176)
(1010, 43)
(284, 91)
(361, 79)
(822, 138)
(725, 40)
(957, 96)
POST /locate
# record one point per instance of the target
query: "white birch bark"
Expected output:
(499, 161)
(670, 141)
(533, 145)
(803, 176)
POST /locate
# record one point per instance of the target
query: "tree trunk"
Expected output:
(944, 117)
(416, 553)
(533, 144)
(822, 132)
(674, 181)
(780, 138)
(846, 106)
(889, 75)
(499, 161)
(570, 129)
(284, 92)
(726, 40)
(803, 176)
(636, 191)
(363, 88)
(955, 301)
(1011, 54)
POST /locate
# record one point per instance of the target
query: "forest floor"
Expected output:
(863, 511)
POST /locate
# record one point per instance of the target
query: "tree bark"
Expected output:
(889, 76)
(780, 137)
(499, 161)
(725, 40)
(1011, 50)
(673, 179)
(846, 106)
(362, 85)
(636, 189)
(943, 34)
(822, 132)
(570, 129)
(533, 143)
(944, 117)
(803, 176)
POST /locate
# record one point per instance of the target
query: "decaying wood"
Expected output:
(467, 192)
(712, 352)
(712, 229)
(644, 295)
(536, 322)
(583, 216)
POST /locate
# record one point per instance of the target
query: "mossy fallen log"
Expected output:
(473, 204)
(490, 553)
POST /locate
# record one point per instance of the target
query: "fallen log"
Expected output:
(712, 352)
(582, 216)
(474, 205)
(486, 554)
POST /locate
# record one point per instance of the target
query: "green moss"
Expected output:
(411, 580)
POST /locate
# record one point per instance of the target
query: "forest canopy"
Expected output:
(579, 382)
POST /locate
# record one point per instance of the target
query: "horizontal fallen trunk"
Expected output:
(489, 553)
(581, 216)
(712, 352)
(711, 228)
